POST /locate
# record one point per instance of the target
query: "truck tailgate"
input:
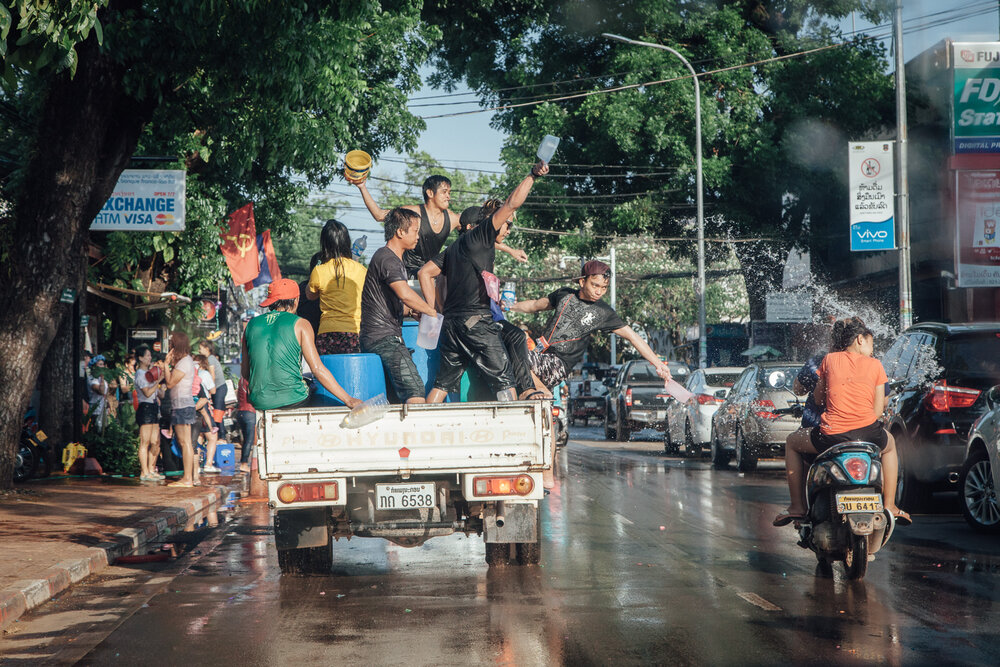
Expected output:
(443, 437)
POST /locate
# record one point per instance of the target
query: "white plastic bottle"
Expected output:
(367, 412)
(508, 294)
(358, 248)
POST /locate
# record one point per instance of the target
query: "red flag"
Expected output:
(267, 262)
(239, 246)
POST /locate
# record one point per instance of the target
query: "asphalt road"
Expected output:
(646, 560)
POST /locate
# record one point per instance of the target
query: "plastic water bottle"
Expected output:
(547, 148)
(508, 294)
(358, 248)
(367, 412)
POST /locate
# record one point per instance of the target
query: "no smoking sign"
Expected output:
(870, 168)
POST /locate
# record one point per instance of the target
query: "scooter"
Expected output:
(846, 520)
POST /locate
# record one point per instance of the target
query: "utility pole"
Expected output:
(614, 284)
(902, 187)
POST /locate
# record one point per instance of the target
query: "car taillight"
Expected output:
(707, 399)
(857, 468)
(765, 414)
(942, 397)
(556, 410)
(520, 485)
(307, 492)
(628, 397)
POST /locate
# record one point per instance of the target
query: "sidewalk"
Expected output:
(58, 531)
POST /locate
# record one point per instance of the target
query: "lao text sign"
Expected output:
(789, 307)
(146, 200)
(977, 210)
(871, 195)
(975, 116)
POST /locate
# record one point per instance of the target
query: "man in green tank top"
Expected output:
(273, 347)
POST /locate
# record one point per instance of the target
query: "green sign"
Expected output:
(84, 320)
(68, 295)
(976, 101)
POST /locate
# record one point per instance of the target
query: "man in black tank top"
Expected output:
(437, 221)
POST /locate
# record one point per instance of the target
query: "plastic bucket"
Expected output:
(357, 164)
(429, 331)
(360, 375)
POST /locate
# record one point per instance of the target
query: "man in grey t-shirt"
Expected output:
(383, 298)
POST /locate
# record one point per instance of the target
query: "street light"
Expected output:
(702, 346)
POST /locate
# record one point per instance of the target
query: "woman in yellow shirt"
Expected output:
(337, 281)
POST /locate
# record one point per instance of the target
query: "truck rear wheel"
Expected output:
(498, 554)
(310, 560)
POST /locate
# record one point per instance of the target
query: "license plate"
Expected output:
(848, 503)
(404, 496)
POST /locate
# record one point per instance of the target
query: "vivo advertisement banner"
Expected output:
(871, 195)
(145, 200)
(975, 112)
(977, 209)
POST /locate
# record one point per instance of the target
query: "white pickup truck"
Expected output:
(419, 472)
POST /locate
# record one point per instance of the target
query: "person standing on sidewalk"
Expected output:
(274, 345)
(207, 349)
(385, 297)
(180, 382)
(246, 417)
(337, 282)
(147, 415)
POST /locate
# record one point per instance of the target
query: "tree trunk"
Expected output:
(87, 130)
(762, 265)
(58, 378)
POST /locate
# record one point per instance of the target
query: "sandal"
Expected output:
(183, 485)
(786, 518)
(902, 518)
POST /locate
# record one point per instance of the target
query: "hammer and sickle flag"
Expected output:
(239, 245)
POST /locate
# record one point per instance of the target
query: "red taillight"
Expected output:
(708, 399)
(307, 492)
(628, 397)
(765, 414)
(857, 468)
(520, 485)
(556, 410)
(942, 398)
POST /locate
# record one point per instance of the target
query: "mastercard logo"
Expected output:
(165, 219)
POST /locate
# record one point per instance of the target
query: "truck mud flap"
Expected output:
(519, 523)
(298, 529)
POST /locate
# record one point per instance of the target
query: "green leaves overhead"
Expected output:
(40, 35)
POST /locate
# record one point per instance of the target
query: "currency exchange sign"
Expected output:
(145, 200)
(871, 195)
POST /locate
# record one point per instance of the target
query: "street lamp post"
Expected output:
(699, 196)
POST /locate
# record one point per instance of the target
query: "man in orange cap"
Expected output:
(273, 347)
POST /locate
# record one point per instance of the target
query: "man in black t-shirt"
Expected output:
(469, 333)
(382, 299)
(578, 314)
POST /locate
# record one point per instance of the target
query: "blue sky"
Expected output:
(466, 141)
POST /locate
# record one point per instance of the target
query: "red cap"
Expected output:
(594, 268)
(280, 290)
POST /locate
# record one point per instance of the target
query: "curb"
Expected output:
(27, 594)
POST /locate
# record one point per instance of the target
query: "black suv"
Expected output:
(939, 374)
(635, 398)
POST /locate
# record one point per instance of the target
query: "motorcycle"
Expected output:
(34, 456)
(846, 519)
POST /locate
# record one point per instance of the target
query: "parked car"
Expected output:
(635, 398)
(689, 425)
(746, 426)
(939, 374)
(980, 476)
(585, 402)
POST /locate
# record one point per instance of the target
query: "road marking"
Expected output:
(758, 601)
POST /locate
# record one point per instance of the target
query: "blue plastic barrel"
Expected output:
(225, 455)
(426, 361)
(360, 375)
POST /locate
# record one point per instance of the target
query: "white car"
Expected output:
(689, 426)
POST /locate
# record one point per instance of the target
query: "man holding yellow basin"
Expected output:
(437, 221)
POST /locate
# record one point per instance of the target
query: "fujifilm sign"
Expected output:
(976, 102)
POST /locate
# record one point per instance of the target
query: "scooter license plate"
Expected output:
(848, 503)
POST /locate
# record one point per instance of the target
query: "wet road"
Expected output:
(646, 559)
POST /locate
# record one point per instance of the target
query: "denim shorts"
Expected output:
(148, 413)
(400, 370)
(183, 415)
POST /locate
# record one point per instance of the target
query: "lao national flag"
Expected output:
(238, 245)
(267, 262)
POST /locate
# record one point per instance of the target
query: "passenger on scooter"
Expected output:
(851, 387)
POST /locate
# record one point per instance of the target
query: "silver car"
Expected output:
(689, 425)
(980, 476)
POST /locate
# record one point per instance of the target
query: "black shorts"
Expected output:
(479, 344)
(400, 371)
(148, 413)
(873, 433)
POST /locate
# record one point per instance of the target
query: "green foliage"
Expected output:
(40, 36)
(116, 449)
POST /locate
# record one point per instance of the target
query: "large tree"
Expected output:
(775, 120)
(247, 93)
